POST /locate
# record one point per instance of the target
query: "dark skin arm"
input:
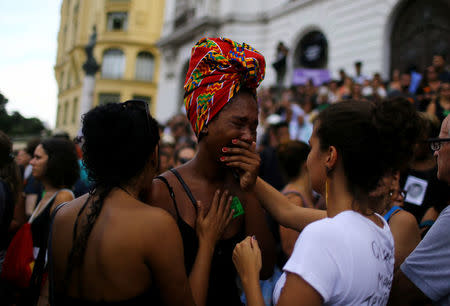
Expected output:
(19, 217)
(406, 235)
(404, 292)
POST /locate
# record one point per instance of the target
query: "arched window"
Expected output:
(312, 51)
(113, 65)
(420, 30)
(145, 66)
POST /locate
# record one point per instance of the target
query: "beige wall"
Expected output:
(145, 20)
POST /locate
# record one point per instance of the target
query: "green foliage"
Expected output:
(17, 125)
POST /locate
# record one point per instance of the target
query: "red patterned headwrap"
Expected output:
(218, 68)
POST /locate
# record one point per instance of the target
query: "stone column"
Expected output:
(90, 68)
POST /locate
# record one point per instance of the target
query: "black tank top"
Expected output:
(40, 224)
(222, 289)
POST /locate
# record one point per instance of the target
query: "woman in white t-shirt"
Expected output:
(346, 258)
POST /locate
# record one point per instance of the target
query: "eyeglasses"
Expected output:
(396, 192)
(436, 143)
(140, 104)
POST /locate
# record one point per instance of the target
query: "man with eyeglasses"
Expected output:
(425, 274)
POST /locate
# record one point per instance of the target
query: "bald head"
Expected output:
(443, 154)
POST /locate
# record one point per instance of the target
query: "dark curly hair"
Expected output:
(6, 156)
(9, 170)
(118, 142)
(31, 145)
(62, 170)
(372, 139)
(292, 155)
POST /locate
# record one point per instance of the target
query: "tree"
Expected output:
(17, 125)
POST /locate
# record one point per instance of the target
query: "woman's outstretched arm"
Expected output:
(286, 213)
(244, 158)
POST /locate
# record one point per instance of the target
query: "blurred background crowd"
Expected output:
(286, 116)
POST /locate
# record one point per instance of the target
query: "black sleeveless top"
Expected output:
(40, 225)
(222, 289)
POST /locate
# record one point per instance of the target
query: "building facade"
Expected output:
(127, 32)
(320, 34)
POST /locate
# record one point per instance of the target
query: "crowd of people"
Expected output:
(334, 194)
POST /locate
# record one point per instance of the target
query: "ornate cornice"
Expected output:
(196, 26)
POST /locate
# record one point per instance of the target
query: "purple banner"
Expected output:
(302, 75)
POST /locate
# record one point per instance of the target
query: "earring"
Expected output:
(327, 185)
(204, 131)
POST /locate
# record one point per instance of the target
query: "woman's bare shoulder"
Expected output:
(153, 217)
(404, 217)
(62, 196)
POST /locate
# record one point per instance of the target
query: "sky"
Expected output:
(28, 34)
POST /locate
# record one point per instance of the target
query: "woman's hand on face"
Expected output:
(244, 158)
(247, 259)
(211, 225)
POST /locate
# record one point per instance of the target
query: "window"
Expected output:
(105, 98)
(184, 12)
(58, 115)
(117, 21)
(74, 28)
(113, 65)
(61, 81)
(64, 37)
(66, 109)
(312, 51)
(69, 80)
(145, 98)
(75, 110)
(145, 65)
